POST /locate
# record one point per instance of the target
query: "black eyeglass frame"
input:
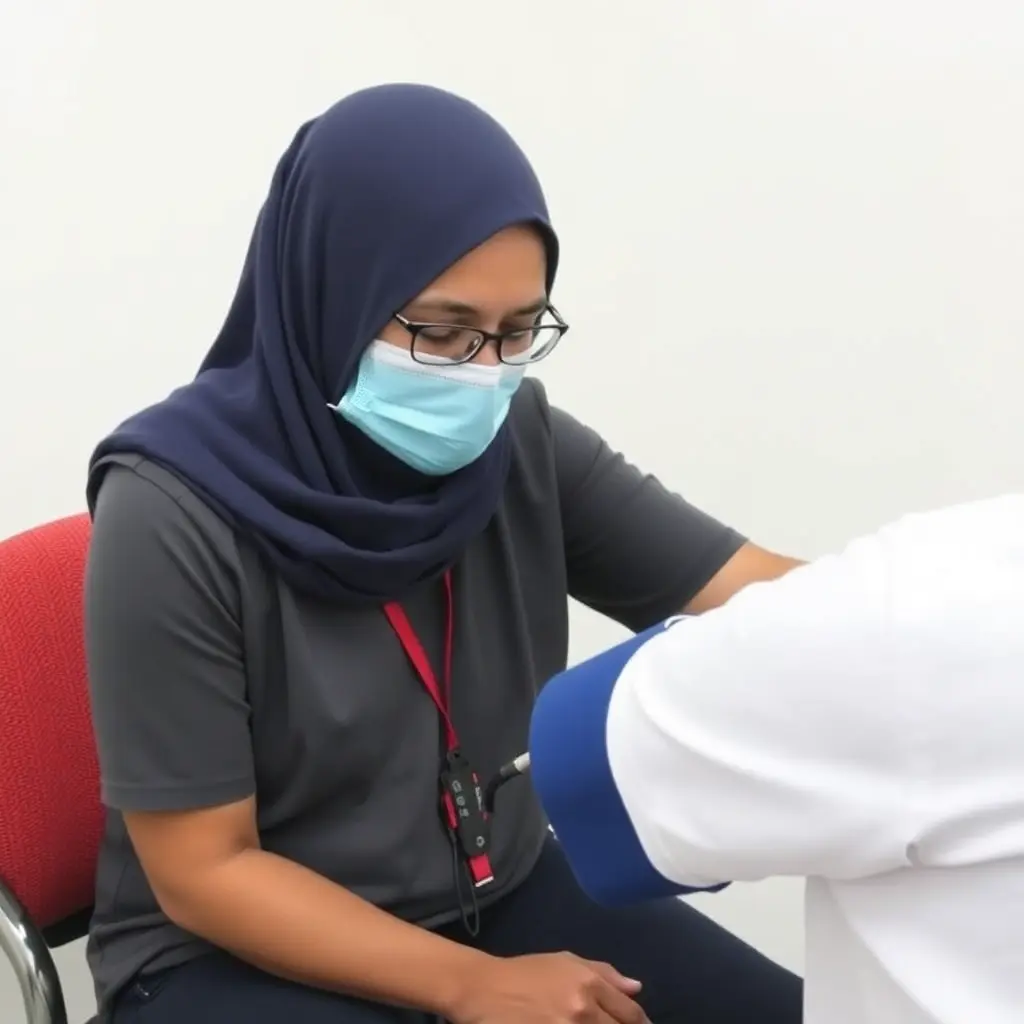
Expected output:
(414, 327)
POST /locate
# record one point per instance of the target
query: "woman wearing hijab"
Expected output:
(328, 578)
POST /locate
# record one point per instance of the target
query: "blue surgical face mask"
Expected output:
(436, 418)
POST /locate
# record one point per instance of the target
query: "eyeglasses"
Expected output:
(450, 344)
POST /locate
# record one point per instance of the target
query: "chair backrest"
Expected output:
(50, 814)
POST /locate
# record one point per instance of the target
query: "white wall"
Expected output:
(793, 238)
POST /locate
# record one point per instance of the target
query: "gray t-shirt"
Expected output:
(212, 680)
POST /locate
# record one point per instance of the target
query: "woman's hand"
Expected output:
(549, 988)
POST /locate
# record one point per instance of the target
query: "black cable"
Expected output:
(469, 908)
(516, 767)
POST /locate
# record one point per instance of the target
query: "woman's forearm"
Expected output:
(290, 921)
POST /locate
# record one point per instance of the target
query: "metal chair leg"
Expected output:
(23, 945)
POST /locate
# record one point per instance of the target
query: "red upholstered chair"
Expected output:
(50, 812)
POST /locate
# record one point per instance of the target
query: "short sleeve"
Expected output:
(634, 551)
(773, 735)
(164, 651)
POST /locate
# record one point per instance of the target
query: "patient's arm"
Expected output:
(762, 738)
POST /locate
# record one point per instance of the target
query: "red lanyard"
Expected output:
(418, 656)
(461, 794)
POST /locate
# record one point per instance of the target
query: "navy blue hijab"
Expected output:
(372, 201)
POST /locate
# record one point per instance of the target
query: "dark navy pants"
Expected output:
(693, 972)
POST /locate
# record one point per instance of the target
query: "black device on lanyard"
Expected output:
(461, 796)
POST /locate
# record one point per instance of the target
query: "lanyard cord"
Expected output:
(468, 869)
(440, 695)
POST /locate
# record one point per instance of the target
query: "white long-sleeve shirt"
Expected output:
(859, 722)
